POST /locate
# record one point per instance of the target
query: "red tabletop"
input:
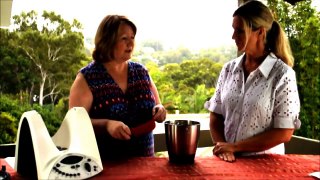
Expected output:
(252, 167)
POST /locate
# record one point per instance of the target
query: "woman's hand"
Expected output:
(227, 156)
(159, 113)
(118, 130)
(225, 151)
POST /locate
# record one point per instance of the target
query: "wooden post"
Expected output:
(5, 12)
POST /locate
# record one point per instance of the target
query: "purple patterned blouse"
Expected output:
(134, 107)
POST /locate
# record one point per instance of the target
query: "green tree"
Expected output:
(193, 72)
(302, 24)
(221, 54)
(16, 74)
(172, 56)
(54, 46)
(155, 44)
(8, 128)
(185, 86)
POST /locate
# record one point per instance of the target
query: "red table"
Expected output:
(253, 167)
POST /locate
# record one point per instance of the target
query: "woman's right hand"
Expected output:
(118, 130)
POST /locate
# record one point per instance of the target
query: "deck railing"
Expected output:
(297, 144)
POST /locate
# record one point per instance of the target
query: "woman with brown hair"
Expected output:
(118, 94)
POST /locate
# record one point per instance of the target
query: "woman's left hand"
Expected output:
(159, 113)
(225, 151)
(227, 156)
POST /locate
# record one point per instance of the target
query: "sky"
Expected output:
(194, 24)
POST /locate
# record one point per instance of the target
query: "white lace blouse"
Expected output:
(268, 99)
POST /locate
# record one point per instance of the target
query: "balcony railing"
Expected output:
(297, 144)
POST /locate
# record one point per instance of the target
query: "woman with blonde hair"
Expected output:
(256, 106)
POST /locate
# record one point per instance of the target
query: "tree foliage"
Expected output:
(156, 45)
(302, 25)
(54, 46)
(187, 85)
(12, 109)
(7, 128)
(16, 73)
